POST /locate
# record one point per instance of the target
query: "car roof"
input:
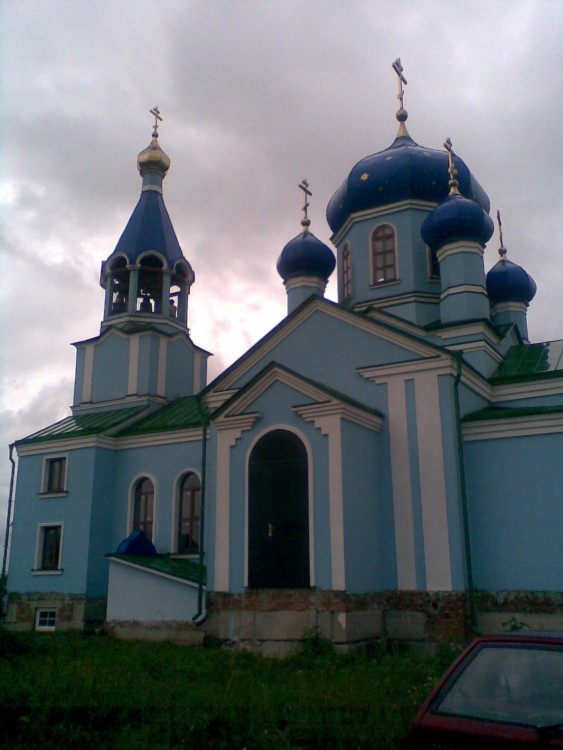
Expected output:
(533, 636)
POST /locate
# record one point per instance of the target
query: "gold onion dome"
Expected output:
(153, 158)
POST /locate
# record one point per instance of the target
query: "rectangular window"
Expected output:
(45, 619)
(49, 544)
(54, 475)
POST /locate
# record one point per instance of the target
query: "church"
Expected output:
(387, 466)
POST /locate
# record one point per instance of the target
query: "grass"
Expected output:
(60, 692)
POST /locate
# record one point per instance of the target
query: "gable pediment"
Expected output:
(317, 400)
(404, 344)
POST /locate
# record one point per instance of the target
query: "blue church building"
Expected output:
(386, 466)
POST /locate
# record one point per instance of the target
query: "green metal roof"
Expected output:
(187, 570)
(82, 425)
(503, 412)
(531, 361)
(183, 413)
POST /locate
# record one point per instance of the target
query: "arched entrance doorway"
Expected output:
(278, 513)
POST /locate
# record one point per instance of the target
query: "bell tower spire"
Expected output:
(144, 354)
(147, 273)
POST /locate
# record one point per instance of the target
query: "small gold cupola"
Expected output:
(152, 159)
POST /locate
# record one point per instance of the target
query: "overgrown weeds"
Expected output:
(70, 691)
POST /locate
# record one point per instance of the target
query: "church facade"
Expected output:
(387, 466)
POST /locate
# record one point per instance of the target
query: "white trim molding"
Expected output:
(134, 344)
(229, 430)
(454, 248)
(511, 427)
(382, 211)
(330, 424)
(88, 373)
(527, 389)
(463, 289)
(313, 282)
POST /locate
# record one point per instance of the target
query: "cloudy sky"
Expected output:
(255, 95)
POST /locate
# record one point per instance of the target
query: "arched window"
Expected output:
(189, 514)
(119, 286)
(433, 265)
(346, 272)
(383, 255)
(143, 507)
(149, 293)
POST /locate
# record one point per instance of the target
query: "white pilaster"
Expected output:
(401, 484)
(133, 365)
(88, 373)
(229, 431)
(437, 559)
(162, 358)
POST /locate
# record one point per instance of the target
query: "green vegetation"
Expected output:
(60, 692)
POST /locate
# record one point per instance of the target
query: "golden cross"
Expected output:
(304, 186)
(502, 249)
(398, 68)
(451, 169)
(155, 111)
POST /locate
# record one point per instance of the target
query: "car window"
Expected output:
(515, 684)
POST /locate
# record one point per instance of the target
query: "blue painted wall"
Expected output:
(101, 520)
(111, 368)
(163, 464)
(74, 510)
(368, 512)
(328, 351)
(149, 351)
(516, 512)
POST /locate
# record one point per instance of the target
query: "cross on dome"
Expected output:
(453, 183)
(502, 250)
(305, 221)
(402, 113)
(156, 112)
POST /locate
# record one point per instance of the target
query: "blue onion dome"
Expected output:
(404, 171)
(456, 218)
(305, 255)
(508, 282)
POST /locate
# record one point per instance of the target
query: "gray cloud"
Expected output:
(255, 96)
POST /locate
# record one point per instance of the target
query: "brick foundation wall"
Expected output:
(74, 611)
(258, 617)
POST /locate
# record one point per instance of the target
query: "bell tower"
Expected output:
(147, 274)
(144, 353)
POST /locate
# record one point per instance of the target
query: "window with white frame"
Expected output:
(49, 548)
(189, 514)
(383, 255)
(54, 475)
(143, 507)
(45, 619)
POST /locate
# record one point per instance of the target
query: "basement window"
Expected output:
(45, 620)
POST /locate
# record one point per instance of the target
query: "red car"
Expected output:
(504, 691)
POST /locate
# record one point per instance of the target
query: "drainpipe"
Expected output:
(201, 614)
(471, 609)
(8, 521)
